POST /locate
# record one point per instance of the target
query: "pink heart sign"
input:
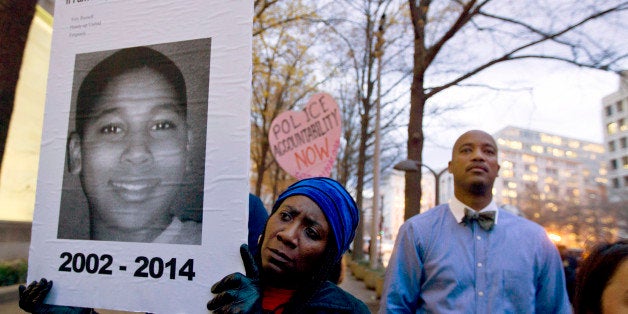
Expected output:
(305, 143)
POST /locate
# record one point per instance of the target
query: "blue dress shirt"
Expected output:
(440, 265)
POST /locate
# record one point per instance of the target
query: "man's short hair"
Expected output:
(121, 62)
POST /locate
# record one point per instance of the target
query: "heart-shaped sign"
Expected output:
(305, 143)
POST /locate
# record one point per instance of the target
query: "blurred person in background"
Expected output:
(602, 280)
(570, 264)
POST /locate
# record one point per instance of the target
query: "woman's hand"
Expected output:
(237, 293)
(32, 297)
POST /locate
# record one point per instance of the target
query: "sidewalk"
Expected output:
(359, 290)
(8, 300)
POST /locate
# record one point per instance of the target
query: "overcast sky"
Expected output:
(553, 98)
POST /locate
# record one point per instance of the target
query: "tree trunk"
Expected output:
(261, 166)
(417, 108)
(415, 148)
(15, 21)
(358, 241)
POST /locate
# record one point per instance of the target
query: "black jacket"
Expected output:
(332, 299)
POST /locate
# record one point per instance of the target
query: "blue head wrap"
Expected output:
(335, 202)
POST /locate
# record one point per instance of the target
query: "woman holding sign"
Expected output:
(310, 227)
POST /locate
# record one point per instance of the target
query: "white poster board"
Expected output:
(142, 192)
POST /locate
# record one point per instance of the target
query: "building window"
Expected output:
(624, 161)
(566, 173)
(615, 183)
(622, 142)
(506, 164)
(620, 106)
(594, 148)
(528, 158)
(532, 168)
(573, 144)
(516, 145)
(622, 125)
(611, 146)
(537, 149)
(611, 128)
(507, 173)
(625, 180)
(613, 164)
(609, 111)
(552, 139)
(556, 152)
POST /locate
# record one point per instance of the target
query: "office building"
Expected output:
(556, 168)
(615, 119)
(557, 181)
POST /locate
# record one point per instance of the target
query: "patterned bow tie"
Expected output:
(485, 219)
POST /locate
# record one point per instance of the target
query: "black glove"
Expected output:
(32, 297)
(237, 293)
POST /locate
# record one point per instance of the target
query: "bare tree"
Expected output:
(358, 29)
(456, 40)
(15, 21)
(284, 75)
(268, 16)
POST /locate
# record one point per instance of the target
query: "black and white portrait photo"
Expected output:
(135, 150)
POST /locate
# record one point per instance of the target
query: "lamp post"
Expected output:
(374, 248)
(414, 165)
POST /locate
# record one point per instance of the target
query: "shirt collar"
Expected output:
(168, 235)
(457, 209)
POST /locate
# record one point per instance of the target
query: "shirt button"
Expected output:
(479, 237)
(481, 293)
(479, 264)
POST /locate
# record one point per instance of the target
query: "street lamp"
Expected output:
(410, 165)
(374, 251)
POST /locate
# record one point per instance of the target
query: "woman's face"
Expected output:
(615, 295)
(133, 153)
(295, 240)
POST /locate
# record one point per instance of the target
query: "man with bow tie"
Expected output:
(468, 256)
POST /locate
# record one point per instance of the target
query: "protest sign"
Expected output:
(305, 143)
(145, 153)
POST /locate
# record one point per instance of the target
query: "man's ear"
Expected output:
(449, 167)
(74, 154)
